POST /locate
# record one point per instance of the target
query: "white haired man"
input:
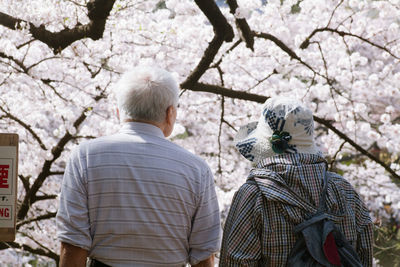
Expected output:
(135, 198)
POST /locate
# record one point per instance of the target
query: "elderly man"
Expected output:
(282, 197)
(135, 198)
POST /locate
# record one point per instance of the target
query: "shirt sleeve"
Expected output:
(73, 226)
(365, 235)
(241, 245)
(204, 239)
(365, 245)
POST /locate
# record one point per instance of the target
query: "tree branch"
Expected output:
(98, 11)
(219, 90)
(56, 173)
(206, 60)
(45, 197)
(306, 42)
(219, 170)
(37, 251)
(38, 218)
(25, 181)
(282, 46)
(223, 32)
(16, 61)
(30, 196)
(329, 125)
(290, 52)
(216, 64)
(242, 26)
(261, 99)
(220, 25)
(24, 125)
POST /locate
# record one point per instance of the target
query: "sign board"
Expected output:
(8, 185)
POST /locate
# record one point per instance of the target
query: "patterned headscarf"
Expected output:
(285, 126)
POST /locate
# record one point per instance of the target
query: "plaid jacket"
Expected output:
(259, 227)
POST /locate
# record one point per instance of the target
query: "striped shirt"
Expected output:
(259, 228)
(137, 199)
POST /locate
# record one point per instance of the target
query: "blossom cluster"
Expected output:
(347, 72)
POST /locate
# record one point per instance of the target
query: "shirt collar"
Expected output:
(143, 128)
(291, 159)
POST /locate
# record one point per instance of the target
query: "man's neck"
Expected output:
(157, 124)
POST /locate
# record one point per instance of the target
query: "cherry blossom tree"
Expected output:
(59, 61)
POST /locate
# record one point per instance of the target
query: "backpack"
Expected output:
(320, 242)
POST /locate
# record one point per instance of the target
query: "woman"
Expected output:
(284, 190)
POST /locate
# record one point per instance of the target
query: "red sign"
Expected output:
(4, 176)
(5, 212)
(8, 185)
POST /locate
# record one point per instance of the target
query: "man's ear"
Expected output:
(170, 114)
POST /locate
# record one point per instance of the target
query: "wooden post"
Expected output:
(8, 185)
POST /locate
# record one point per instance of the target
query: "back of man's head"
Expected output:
(145, 93)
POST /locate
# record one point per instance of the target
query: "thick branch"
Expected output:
(242, 25)
(261, 99)
(221, 26)
(98, 11)
(215, 89)
(223, 32)
(205, 62)
(25, 181)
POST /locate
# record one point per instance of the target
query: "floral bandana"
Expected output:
(285, 126)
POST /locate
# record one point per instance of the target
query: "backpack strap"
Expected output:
(322, 198)
(321, 211)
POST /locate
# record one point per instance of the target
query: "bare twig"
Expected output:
(285, 48)
(226, 52)
(24, 125)
(263, 79)
(46, 216)
(336, 154)
(220, 133)
(333, 12)
(306, 42)
(37, 251)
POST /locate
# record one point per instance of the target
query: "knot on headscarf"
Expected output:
(279, 141)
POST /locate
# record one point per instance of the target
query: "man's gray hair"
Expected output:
(145, 93)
